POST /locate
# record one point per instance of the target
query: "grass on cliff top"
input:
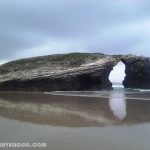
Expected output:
(74, 59)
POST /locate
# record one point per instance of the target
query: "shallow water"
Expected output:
(106, 120)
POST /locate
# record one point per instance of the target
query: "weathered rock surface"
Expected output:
(137, 72)
(72, 72)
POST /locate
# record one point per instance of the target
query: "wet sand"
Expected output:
(75, 122)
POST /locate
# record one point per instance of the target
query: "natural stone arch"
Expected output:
(73, 72)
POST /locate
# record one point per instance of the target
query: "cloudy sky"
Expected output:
(117, 75)
(41, 27)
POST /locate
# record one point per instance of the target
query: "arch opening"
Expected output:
(117, 75)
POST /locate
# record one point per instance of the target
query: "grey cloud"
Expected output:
(62, 26)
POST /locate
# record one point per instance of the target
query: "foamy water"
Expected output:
(118, 92)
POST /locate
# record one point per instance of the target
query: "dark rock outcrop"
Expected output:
(137, 72)
(72, 72)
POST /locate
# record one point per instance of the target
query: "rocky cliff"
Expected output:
(137, 72)
(72, 72)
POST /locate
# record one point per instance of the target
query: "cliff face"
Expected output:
(137, 72)
(72, 72)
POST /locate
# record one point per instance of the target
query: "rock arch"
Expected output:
(73, 72)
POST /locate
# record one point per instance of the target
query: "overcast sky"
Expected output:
(41, 27)
(118, 73)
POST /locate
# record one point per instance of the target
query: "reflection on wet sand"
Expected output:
(118, 105)
(73, 111)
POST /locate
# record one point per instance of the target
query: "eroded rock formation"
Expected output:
(137, 72)
(72, 72)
